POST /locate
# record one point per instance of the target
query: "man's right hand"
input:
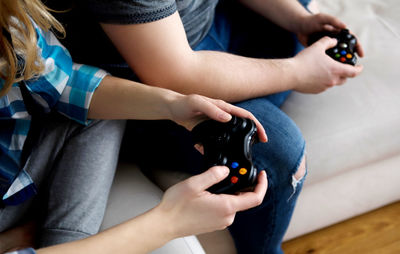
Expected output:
(316, 71)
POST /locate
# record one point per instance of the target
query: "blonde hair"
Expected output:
(16, 19)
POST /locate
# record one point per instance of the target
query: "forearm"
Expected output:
(117, 98)
(285, 13)
(142, 234)
(230, 77)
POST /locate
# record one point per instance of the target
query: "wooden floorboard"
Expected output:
(376, 232)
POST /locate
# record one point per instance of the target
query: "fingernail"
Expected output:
(225, 116)
(225, 170)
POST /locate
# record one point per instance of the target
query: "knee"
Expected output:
(301, 170)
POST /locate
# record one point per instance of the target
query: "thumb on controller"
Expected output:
(208, 178)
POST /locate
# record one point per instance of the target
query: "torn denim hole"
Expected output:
(296, 182)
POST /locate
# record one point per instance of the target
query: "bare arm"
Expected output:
(117, 98)
(292, 16)
(185, 209)
(286, 13)
(160, 54)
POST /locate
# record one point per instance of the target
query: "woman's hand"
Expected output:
(189, 110)
(189, 209)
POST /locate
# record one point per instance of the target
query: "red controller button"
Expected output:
(342, 59)
(242, 171)
(234, 179)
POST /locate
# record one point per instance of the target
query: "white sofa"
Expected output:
(352, 134)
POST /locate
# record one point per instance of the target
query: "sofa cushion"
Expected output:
(352, 131)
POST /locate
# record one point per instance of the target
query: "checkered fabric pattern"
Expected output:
(24, 251)
(65, 87)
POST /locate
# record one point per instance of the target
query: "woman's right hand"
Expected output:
(190, 209)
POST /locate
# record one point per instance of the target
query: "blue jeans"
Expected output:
(165, 145)
(240, 31)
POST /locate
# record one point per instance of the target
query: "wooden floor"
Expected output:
(372, 233)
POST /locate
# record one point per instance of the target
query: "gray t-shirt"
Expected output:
(88, 43)
(196, 15)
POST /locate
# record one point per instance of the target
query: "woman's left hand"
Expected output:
(190, 110)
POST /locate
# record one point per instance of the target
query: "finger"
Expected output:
(203, 181)
(326, 43)
(359, 48)
(199, 148)
(349, 71)
(210, 109)
(331, 20)
(237, 111)
(341, 81)
(247, 200)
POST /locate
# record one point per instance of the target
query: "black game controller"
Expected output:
(344, 50)
(229, 144)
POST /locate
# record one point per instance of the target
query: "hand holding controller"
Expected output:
(229, 144)
(344, 50)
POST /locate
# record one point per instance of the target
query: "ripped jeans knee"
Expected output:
(299, 175)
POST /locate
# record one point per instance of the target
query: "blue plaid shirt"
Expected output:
(65, 87)
(24, 251)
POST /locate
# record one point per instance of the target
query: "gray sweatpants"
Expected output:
(73, 167)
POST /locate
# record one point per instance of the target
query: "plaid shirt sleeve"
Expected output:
(24, 251)
(77, 94)
(65, 86)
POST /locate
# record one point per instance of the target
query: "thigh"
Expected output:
(285, 146)
(261, 229)
(72, 167)
(76, 190)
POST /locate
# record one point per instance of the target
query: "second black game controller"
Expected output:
(344, 49)
(229, 144)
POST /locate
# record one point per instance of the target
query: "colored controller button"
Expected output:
(242, 171)
(349, 56)
(343, 52)
(343, 45)
(234, 179)
(335, 50)
(337, 55)
(234, 164)
(342, 59)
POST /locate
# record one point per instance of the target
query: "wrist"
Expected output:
(294, 72)
(173, 102)
(300, 23)
(168, 225)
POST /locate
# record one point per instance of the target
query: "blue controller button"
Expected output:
(234, 164)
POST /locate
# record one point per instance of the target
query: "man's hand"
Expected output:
(321, 22)
(191, 210)
(189, 110)
(317, 71)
